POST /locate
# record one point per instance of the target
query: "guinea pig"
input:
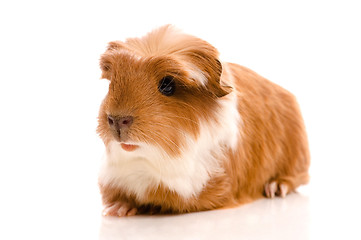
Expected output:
(185, 132)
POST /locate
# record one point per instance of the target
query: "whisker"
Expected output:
(187, 119)
(187, 105)
(175, 116)
(170, 127)
(162, 136)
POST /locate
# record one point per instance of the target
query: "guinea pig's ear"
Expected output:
(115, 45)
(214, 82)
(206, 60)
(106, 60)
(106, 65)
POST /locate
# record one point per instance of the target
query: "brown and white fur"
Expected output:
(226, 136)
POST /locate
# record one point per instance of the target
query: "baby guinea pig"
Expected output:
(185, 132)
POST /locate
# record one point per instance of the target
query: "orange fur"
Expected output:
(272, 143)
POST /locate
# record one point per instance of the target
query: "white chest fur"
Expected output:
(187, 175)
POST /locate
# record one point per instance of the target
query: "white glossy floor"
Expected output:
(265, 219)
(299, 216)
(302, 215)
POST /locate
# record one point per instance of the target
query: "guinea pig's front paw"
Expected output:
(276, 188)
(119, 209)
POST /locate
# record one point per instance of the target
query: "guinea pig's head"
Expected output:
(162, 88)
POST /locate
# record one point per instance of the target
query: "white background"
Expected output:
(50, 93)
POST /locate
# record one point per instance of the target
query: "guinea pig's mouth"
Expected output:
(129, 147)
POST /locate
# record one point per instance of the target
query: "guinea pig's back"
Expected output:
(274, 142)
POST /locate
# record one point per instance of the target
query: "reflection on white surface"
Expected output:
(263, 219)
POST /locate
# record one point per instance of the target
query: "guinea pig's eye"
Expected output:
(167, 86)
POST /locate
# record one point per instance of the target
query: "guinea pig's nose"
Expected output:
(125, 122)
(119, 123)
